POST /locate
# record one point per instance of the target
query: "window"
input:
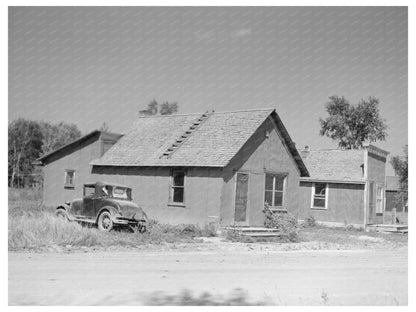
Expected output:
(177, 187)
(380, 200)
(274, 190)
(69, 178)
(320, 195)
(89, 190)
(119, 192)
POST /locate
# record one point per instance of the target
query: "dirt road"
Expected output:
(354, 277)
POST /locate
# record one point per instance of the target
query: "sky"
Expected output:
(89, 65)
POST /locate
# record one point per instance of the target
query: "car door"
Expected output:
(87, 209)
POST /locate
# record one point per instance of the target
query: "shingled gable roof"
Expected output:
(94, 135)
(342, 166)
(335, 165)
(213, 143)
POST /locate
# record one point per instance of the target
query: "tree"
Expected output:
(400, 165)
(166, 108)
(55, 136)
(351, 125)
(24, 146)
(105, 127)
(28, 140)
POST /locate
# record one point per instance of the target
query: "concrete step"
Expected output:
(394, 228)
(261, 234)
(250, 229)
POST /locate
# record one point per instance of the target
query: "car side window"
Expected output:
(89, 191)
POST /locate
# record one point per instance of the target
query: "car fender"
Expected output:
(113, 211)
(67, 209)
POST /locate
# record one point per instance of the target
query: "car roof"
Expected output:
(100, 183)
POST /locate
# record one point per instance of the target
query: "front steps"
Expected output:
(389, 228)
(253, 231)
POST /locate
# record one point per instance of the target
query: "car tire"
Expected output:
(142, 228)
(105, 222)
(61, 213)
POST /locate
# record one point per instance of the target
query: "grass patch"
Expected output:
(349, 236)
(32, 226)
(40, 230)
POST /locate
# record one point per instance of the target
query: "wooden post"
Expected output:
(393, 216)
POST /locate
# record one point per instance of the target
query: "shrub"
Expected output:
(309, 221)
(236, 237)
(285, 223)
(209, 230)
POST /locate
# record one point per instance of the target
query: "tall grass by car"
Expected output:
(33, 231)
(32, 226)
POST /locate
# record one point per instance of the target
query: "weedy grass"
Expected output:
(31, 226)
(43, 229)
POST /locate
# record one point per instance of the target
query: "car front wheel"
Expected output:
(105, 223)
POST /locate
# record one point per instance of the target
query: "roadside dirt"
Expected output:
(129, 277)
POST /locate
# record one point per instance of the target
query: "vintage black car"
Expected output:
(107, 205)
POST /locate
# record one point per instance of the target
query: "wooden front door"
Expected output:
(241, 199)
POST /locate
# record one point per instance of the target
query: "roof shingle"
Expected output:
(335, 165)
(212, 144)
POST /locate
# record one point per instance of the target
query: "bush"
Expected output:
(210, 230)
(309, 221)
(235, 236)
(285, 223)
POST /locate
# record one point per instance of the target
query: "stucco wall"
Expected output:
(259, 155)
(54, 192)
(150, 189)
(345, 204)
(376, 171)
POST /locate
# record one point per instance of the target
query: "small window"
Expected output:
(274, 190)
(89, 190)
(119, 192)
(319, 195)
(69, 178)
(177, 187)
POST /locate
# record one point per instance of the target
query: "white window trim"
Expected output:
(378, 185)
(271, 207)
(66, 176)
(171, 188)
(326, 197)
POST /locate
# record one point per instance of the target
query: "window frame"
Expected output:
(172, 188)
(313, 196)
(69, 185)
(379, 200)
(283, 191)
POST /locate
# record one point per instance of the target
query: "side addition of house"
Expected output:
(66, 169)
(345, 187)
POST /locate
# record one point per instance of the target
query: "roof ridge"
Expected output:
(213, 112)
(335, 149)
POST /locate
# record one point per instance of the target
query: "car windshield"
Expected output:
(120, 192)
